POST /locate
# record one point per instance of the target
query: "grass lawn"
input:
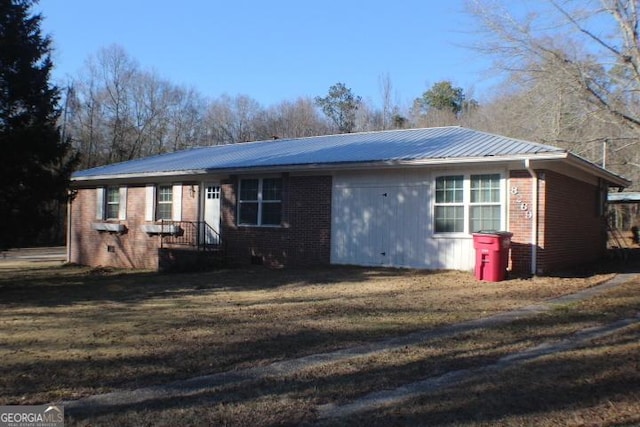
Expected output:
(68, 332)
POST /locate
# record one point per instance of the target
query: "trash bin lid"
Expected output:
(494, 233)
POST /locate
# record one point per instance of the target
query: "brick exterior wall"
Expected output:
(574, 227)
(304, 239)
(570, 229)
(520, 220)
(132, 249)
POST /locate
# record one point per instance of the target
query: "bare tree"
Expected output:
(119, 112)
(291, 119)
(116, 69)
(386, 88)
(230, 120)
(83, 122)
(591, 47)
(186, 115)
(544, 111)
(574, 73)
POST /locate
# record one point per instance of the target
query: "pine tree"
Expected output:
(340, 105)
(35, 164)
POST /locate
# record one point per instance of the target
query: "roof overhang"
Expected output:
(611, 178)
(568, 159)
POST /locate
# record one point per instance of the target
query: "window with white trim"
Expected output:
(260, 201)
(113, 203)
(449, 205)
(467, 203)
(485, 206)
(164, 202)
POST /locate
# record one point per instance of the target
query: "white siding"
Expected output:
(453, 254)
(385, 220)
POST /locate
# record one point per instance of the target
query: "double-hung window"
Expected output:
(164, 202)
(467, 203)
(449, 205)
(485, 206)
(260, 201)
(111, 203)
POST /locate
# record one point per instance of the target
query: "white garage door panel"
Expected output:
(380, 225)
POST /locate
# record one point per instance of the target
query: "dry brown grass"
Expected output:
(597, 384)
(66, 332)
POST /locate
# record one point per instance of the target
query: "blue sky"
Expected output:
(276, 50)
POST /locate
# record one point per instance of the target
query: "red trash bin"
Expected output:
(492, 254)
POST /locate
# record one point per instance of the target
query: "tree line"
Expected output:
(116, 111)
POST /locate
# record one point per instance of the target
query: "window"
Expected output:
(449, 207)
(260, 201)
(113, 203)
(466, 204)
(213, 192)
(164, 203)
(484, 211)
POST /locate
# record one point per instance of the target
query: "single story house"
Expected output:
(402, 198)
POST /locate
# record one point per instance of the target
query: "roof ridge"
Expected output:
(334, 135)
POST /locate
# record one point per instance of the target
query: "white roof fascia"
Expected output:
(612, 178)
(576, 161)
(143, 175)
(291, 168)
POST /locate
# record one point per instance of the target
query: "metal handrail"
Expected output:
(188, 233)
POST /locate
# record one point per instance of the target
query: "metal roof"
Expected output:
(624, 197)
(440, 145)
(368, 147)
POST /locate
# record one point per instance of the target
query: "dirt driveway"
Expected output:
(43, 254)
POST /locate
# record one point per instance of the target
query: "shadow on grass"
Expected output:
(602, 371)
(550, 391)
(176, 361)
(615, 261)
(574, 381)
(67, 285)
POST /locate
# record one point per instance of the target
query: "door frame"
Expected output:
(203, 210)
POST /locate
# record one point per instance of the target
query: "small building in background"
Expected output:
(624, 219)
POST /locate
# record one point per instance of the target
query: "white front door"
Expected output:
(211, 213)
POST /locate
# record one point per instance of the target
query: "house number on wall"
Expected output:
(524, 207)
